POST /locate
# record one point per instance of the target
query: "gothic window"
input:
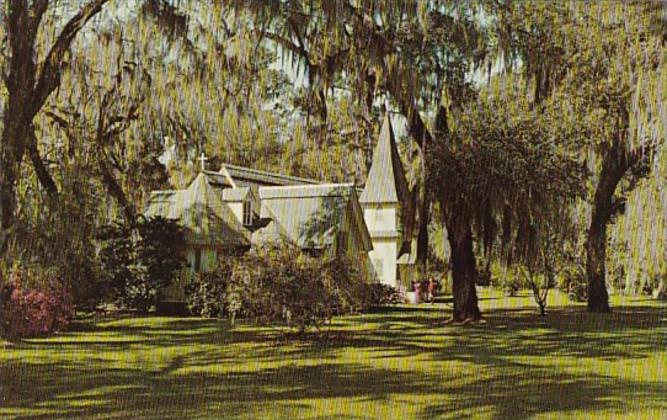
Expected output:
(247, 213)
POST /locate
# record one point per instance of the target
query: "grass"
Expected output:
(402, 363)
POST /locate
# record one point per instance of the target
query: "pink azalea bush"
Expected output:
(35, 305)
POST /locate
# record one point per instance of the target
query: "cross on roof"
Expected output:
(203, 160)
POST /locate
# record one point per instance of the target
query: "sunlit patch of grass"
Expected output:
(405, 362)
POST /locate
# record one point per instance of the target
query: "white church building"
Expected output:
(236, 208)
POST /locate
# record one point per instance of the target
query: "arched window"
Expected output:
(247, 213)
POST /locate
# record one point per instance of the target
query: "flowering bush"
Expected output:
(34, 305)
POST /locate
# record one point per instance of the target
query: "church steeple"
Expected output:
(386, 181)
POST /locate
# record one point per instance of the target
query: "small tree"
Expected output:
(540, 274)
(116, 257)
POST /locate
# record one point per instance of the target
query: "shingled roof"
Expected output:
(207, 219)
(310, 215)
(386, 181)
(244, 177)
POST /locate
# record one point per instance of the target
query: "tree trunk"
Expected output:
(423, 211)
(28, 87)
(19, 82)
(43, 175)
(596, 246)
(615, 164)
(422, 235)
(116, 191)
(7, 205)
(11, 153)
(464, 270)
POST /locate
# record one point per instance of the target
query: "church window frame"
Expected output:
(247, 213)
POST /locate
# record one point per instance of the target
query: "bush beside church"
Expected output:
(280, 285)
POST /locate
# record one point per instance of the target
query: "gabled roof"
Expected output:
(311, 215)
(272, 233)
(218, 180)
(244, 177)
(207, 219)
(386, 181)
(306, 191)
(235, 194)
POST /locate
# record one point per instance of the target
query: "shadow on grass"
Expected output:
(236, 373)
(626, 333)
(73, 391)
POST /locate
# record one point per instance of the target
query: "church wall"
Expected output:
(354, 247)
(382, 217)
(383, 257)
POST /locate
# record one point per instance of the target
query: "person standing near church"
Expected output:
(417, 287)
(431, 289)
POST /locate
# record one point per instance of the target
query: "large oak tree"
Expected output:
(29, 81)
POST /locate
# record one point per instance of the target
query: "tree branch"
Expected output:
(287, 44)
(38, 9)
(416, 126)
(115, 190)
(40, 170)
(49, 70)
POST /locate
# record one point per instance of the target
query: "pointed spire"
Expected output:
(386, 181)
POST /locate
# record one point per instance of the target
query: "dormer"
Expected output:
(243, 204)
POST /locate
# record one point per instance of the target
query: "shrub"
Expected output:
(574, 282)
(380, 294)
(88, 286)
(578, 291)
(140, 261)
(510, 283)
(207, 294)
(34, 304)
(278, 285)
(282, 284)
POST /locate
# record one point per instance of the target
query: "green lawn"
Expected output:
(403, 363)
